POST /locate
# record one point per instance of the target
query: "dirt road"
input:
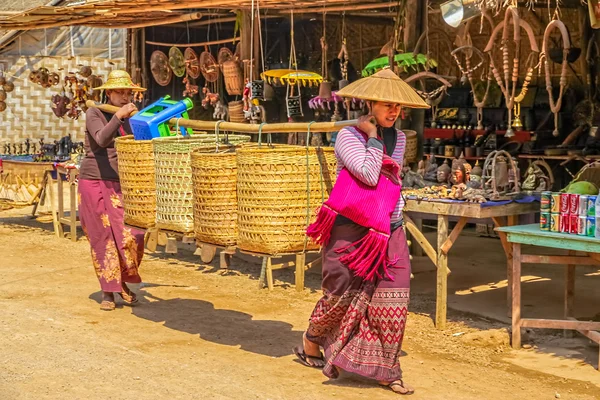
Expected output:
(199, 334)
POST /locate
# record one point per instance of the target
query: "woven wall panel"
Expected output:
(28, 113)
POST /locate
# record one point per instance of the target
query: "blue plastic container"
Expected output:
(151, 122)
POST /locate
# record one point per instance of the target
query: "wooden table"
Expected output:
(532, 235)
(502, 215)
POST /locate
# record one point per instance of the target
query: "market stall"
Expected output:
(415, 211)
(582, 250)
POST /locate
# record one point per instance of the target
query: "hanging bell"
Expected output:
(268, 93)
(343, 83)
(325, 90)
(509, 133)
(294, 106)
(455, 12)
(257, 89)
(517, 124)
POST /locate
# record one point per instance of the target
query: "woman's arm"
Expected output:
(102, 134)
(362, 162)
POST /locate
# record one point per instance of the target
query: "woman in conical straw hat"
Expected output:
(359, 322)
(116, 250)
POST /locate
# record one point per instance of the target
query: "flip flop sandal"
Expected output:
(107, 305)
(303, 358)
(129, 299)
(399, 383)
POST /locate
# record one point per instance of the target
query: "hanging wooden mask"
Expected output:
(177, 62)
(257, 89)
(159, 65)
(209, 67)
(191, 63)
(294, 106)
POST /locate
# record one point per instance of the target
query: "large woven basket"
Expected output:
(236, 112)
(136, 173)
(410, 152)
(233, 77)
(214, 175)
(174, 187)
(273, 190)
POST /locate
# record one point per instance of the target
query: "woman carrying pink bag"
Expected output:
(359, 322)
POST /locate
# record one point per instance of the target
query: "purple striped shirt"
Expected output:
(364, 162)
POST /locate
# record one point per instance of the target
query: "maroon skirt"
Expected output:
(360, 324)
(117, 251)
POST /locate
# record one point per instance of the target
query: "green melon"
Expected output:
(582, 187)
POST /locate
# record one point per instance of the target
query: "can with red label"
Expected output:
(574, 224)
(574, 204)
(565, 203)
(582, 225)
(564, 225)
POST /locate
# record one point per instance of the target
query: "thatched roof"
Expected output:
(21, 5)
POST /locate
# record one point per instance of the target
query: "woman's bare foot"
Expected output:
(108, 301)
(399, 387)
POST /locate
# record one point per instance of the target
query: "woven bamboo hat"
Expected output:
(384, 86)
(119, 79)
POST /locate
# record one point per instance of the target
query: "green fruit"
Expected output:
(582, 187)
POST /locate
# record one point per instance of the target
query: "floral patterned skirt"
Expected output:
(116, 250)
(360, 324)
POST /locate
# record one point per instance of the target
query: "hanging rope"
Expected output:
(324, 47)
(293, 63)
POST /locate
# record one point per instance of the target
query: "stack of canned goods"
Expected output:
(568, 213)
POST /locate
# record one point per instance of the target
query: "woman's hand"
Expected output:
(125, 111)
(365, 124)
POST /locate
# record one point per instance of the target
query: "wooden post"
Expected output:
(73, 205)
(61, 203)
(516, 295)
(415, 248)
(300, 264)
(145, 76)
(412, 27)
(442, 276)
(512, 220)
(247, 44)
(569, 292)
(269, 273)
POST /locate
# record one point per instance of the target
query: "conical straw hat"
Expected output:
(384, 86)
(119, 79)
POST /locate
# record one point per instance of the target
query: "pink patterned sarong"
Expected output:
(117, 251)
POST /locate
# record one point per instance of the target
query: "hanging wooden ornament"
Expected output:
(191, 63)
(508, 85)
(224, 55)
(556, 105)
(293, 101)
(177, 61)
(257, 89)
(208, 66)
(325, 86)
(159, 66)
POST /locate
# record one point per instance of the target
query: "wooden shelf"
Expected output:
(466, 158)
(564, 157)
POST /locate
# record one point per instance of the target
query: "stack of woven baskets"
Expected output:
(279, 189)
(136, 173)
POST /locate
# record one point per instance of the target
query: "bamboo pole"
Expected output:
(222, 41)
(243, 128)
(370, 6)
(103, 18)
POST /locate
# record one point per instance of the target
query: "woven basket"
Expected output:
(136, 173)
(234, 78)
(236, 112)
(214, 175)
(273, 196)
(410, 152)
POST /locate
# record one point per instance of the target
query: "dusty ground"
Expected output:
(199, 334)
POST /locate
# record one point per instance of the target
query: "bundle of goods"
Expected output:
(279, 189)
(136, 173)
(214, 175)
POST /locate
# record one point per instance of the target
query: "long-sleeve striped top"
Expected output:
(364, 159)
